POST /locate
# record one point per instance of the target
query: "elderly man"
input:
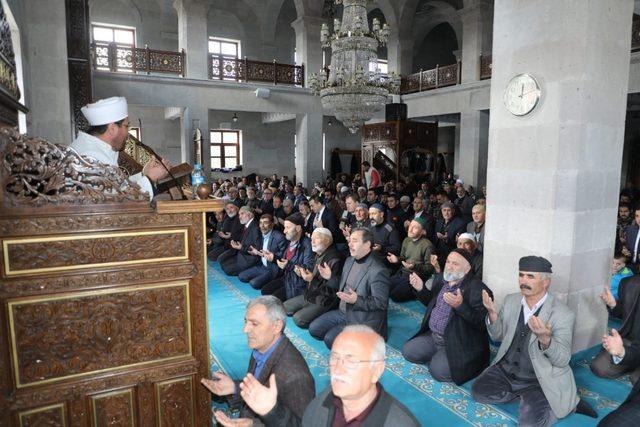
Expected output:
(320, 294)
(447, 229)
(266, 204)
(532, 364)
(476, 227)
(273, 354)
(298, 253)
(452, 339)
(385, 238)
(464, 202)
(271, 249)
(107, 136)
(231, 229)
(363, 292)
(467, 242)
(355, 397)
(238, 258)
(415, 257)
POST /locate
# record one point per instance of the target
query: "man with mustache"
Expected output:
(532, 364)
(231, 229)
(453, 338)
(355, 397)
(273, 355)
(385, 237)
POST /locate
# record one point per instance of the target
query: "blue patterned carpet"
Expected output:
(433, 403)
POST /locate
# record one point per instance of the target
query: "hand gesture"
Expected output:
(406, 224)
(253, 251)
(625, 251)
(296, 270)
(453, 299)
(236, 245)
(282, 263)
(224, 420)
(268, 255)
(433, 259)
(408, 265)
(542, 331)
(259, 398)
(440, 236)
(220, 384)
(377, 247)
(416, 282)
(306, 274)
(350, 297)
(613, 344)
(393, 259)
(324, 270)
(490, 305)
(607, 297)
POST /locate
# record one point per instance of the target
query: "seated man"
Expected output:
(385, 238)
(468, 242)
(231, 229)
(320, 294)
(363, 292)
(631, 246)
(297, 253)
(619, 271)
(447, 229)
(355, 397)
(476, 227)
(415, 257)
(237, 258)
(453, 338)
(273, 354)
(628, 356)
(532, 363)
(269, 251)
(626, 308)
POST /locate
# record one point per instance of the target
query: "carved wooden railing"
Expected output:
(448, 75)
(111, 57)
(226, 68)
(485, 66)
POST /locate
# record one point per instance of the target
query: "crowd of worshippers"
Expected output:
(333, 257)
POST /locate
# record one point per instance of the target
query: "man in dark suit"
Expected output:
(237, 258)
(274, 356)
(323, 217)
(355, 397)
(231, 229)
(632, 240)
(627, 355)
(627, 309)
(447, 230)
(363, 292)
(270, 248)
(453, 337)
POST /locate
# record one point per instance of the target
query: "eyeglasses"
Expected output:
(349, 361)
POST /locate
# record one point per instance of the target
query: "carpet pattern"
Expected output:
(433, 403)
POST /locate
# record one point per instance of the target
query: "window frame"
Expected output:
(222, 144)
(113, 28)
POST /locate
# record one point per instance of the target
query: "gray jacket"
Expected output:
(551, 365)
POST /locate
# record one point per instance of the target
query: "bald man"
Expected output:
(356, 363)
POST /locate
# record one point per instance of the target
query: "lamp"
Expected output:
(235, 118)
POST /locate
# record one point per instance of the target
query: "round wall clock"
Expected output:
(522, 94)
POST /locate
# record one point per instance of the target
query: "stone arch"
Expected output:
(442, 8)
(242, 17)
(440, 42)
(103, 8)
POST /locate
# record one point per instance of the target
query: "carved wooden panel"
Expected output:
(174, 400)
(115, 409)
(58, 253)
(48, 416)
(57, 337)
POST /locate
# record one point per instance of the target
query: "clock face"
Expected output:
(522, 94)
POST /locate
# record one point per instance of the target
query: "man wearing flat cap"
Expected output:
(385, 237)
(532, 364)
(106, 138)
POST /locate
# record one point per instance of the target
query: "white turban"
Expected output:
(467, 236)
(106, 111)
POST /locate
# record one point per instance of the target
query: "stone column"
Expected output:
(471, 153)
(309, 148)
(193, 36)
(308, 47)
(554, 174)
(477, 18)
(47, 76)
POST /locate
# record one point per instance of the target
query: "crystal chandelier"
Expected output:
(350, 90)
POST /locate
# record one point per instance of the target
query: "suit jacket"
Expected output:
(277, 245)
(628, 307)
(632, 360)
(296, 387)
(372, 288)
(329, 221)
(551, 365)
(320, 291)
(465, 337)
(387, 412)
(252, 237)
(631, 233)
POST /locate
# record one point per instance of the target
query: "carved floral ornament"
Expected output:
(35, 172)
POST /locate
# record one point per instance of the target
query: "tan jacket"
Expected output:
(551, 365)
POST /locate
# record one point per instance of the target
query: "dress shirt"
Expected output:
(528, 312)
(265, 245)
(261, 358)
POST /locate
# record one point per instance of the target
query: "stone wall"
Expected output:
(158, 133)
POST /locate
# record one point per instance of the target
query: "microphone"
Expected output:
(159, 159)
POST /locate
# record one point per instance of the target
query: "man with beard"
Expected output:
(624, 220)
(238, 258)
(395, 215)
(320, 294)
(273, 356)
(297, 253)
(270, 250)
(415, 257)
(231, 229)
(453, 337)
(467, 242)
(464, 203)
(385, 238)
(355, 398)
(278, 210)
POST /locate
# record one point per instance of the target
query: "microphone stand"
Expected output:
(159, 159)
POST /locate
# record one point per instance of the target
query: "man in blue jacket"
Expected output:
(270, 249)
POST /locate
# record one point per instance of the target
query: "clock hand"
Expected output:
(521, 91)
(529, 91)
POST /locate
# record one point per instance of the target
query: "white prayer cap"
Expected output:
(322, 230)
(467, 236)
(459, 181)
(106, 111)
